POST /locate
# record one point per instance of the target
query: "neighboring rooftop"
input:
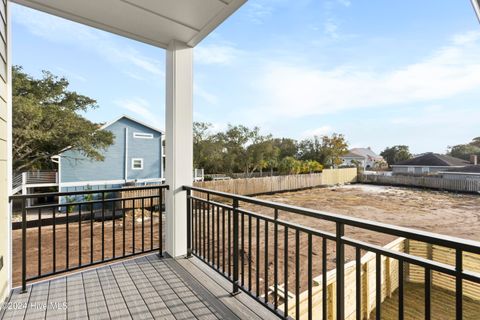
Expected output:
(434, 160)
(361, 152)
(466, 169)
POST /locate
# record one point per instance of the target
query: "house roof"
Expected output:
(106, 125)
(153, 22)
(352, 155)
(131, 119)
(466, 169)
(361, 153)
(433, 160)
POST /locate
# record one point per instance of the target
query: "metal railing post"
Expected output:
(235, 247)
(458, 284)
(340, 266)
(160, 222)
(24, 246)
(189, 224)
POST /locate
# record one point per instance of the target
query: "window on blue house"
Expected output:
(142, 135)
(137, 164)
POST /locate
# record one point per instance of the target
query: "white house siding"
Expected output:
(347, 161)
(461, 176)
(417, 170)
(4, 97)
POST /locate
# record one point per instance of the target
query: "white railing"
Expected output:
(33, 179)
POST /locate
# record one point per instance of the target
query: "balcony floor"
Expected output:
(146, 287)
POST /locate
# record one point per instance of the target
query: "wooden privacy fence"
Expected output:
(424, 182)
(152, 198)
(252, 186)
(389, 285)
(389, 279)
(471, 262)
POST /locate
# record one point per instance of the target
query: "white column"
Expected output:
(179, 143)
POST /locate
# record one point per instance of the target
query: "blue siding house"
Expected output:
(136, 156)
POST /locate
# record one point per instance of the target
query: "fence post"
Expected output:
(24, 246)
(340, 266)
(160, 221)
(189, 223)
(235, 247)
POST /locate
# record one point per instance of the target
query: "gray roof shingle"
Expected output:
(434, 160)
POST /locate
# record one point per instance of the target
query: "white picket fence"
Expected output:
(440, 183)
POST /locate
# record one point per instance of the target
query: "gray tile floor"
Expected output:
(146, 287)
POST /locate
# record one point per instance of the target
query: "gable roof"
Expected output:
(466, 169)
(361, 153)
(433, 160)
(106, 125)
(352, 155)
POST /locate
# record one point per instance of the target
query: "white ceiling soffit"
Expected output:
(476, 6)
(155, 22)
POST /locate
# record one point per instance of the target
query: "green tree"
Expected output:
(207, 148)
(47, 119)
(287, 147)
(396, 154)
(326, 150)
(290, 165)
(464, 151)
(311, 166)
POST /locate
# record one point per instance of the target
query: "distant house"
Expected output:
(471, 172)
(136, 155)
(428, 163)
(364, 157)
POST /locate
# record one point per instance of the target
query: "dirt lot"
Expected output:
(435, 211)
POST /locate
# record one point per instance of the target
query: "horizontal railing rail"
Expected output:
(266, 255)
(85, 228)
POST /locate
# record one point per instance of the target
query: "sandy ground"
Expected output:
(435, 211)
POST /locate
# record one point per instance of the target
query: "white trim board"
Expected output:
(417, 166)
(100, 182)
(109, 123)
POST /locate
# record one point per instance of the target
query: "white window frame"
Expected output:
(142, 135)
(411, 169)
(425, 170)
(133, 163)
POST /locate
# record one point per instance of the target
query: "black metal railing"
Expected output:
(266, 255)
(84, 228)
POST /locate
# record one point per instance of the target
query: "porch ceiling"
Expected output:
(151, 21)
(476, 7)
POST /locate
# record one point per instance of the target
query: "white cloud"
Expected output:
(59, 30)
(296, 90)
(140, 107)
(321, 131)
(222, 54)
(259, 11)
(330, 28)
(71, 75)
(345, 3)
(209, 97)
(438, 116)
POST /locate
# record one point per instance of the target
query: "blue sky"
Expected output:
(380, 72)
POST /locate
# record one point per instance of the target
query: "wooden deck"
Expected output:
(147, 287)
